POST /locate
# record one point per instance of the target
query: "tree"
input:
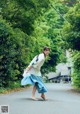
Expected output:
(26, 27)
(71, 31)
(12, 53)
(16, 42)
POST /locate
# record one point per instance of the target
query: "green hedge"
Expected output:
(76, 74)
(12, 57)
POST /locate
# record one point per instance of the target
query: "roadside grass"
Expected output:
(76, 89)
(9, 90)
(14, 87)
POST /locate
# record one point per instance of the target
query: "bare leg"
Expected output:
(43, 96)
(33, 92)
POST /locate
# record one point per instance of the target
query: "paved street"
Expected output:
(61, 100)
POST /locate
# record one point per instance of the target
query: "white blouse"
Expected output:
(36, 65)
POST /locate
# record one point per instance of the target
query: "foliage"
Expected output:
(72, 28)
(22, 14)
(17, 45)
(27, 26)
(12, 53)
(55, 22)
(71, 31)
(76, 74)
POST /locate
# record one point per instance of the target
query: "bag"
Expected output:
(37, 58)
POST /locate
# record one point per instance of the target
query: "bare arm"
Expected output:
(28, 68)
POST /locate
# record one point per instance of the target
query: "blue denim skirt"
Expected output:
(34, 80)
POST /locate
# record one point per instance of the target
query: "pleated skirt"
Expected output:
(34, 80)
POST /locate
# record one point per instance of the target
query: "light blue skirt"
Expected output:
(34, 80)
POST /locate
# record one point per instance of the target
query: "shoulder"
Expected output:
(41, 56)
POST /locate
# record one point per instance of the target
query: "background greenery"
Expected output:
(27, 26)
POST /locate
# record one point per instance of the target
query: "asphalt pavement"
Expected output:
(61, 100)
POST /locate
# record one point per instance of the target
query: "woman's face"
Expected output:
(46, 52)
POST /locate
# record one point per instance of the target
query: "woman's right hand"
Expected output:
(26, 70)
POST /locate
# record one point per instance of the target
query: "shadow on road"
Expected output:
(39, 99)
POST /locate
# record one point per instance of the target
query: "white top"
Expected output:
(36, 65)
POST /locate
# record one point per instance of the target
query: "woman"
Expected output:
(33, 74)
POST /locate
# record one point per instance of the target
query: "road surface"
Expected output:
(61, 100)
